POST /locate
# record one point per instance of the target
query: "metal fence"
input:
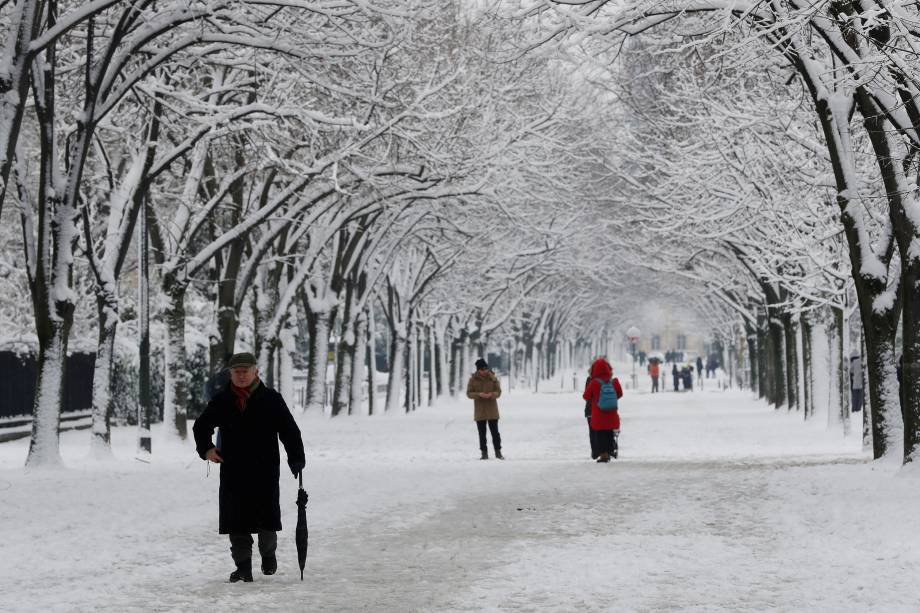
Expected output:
(17, 383)
(300, 391)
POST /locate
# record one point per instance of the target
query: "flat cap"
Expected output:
(241, 359)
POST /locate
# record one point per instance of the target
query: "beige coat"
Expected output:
(484, 408)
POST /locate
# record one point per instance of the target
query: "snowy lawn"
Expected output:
(718, 503)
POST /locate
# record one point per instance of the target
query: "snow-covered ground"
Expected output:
(718, 503)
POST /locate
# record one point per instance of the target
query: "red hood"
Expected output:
(601, 369)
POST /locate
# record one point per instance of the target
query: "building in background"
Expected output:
(665, 331)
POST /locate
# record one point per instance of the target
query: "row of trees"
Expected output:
(773, 142)
(347, 164)
(280, 174)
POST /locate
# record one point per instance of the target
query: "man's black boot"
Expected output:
(269, 565)
(243, 572)
(485, 454)
(498, 454)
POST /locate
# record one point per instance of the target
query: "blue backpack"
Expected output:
(607, 399)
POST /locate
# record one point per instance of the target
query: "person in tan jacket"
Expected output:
(484, 389)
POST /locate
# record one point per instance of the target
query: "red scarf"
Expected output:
(242, 394)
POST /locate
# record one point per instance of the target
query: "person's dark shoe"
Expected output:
(603, 459)
(242, 573)
(498, 455)
(485, 455)
(269, 565)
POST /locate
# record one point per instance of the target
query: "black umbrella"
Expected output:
(301, 534)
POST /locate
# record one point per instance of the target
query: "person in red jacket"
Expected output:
(606, 424)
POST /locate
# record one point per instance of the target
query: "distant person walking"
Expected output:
(654, 370)
(899, 370)
(252, 418)
(686, 374)
(591, 437)
(856, 384)
(484, 389)
(605, 421)
(675, 374)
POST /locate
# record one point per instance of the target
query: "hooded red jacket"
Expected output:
(602, 420)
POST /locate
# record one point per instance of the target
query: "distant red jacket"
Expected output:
(602, 420)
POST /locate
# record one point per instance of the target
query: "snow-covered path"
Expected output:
(717, 504)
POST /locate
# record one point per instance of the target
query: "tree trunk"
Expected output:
(467, 366)
(442, 366)
(535, 360)
(843, 388)
(14, 82)
(419, 363)
(909, 393)
(286, 349)
(883, 389)
(397, 370)
(175, 393)
(808, 398)
(103, 401)
(318, 324)
(776, 361)
(764, 376)
(867, 404)
(227, 324)
(753, 353)
(835, 359)
(344, 357)
(900, 191)
(456, 364)
(790, 335)
(268, 300)
(344, 361)
(358, 359)
(432, 368)
(411, 349)
(44, 448)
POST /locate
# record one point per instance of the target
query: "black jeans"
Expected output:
(606, 440)
(592, 437)
(493, 428)
(654, 384)
(856, 397)
(241, 546)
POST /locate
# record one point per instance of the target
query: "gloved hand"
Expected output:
(296, 467)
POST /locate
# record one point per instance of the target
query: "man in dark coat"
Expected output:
(252, 418)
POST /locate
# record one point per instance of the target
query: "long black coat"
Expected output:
(249, 447)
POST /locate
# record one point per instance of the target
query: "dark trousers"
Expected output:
(593, 439)
(241, 546)
(856, 397)
(676, 380)
(493, 428)
(606, 441)
(654, 384)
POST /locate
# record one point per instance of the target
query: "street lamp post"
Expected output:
(144, 406)
(633, 335)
